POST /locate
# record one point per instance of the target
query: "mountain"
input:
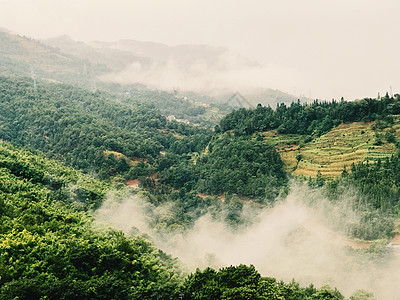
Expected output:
(23, 56)
(183, 68)
(114, 58)
(157, 65)
(92, 170)
(52, 247)
(181, 175)
(182, 55)
(121, 54)
(82, 65)
(134, 65)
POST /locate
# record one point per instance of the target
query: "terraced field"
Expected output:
(330, 153)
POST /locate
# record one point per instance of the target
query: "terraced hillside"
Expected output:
(332, 152)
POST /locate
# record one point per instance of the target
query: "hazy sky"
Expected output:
(324, 48)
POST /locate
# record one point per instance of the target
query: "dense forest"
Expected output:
(64, 149)
(190, 108)
(50, 247)
(99, 134)
(314, 118)
(23, 56)
(78, 126)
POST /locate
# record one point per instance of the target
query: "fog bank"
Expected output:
(302, 237)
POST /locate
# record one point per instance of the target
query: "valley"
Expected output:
(123, 190)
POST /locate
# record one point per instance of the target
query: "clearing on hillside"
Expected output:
(333, 151)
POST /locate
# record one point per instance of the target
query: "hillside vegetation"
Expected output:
(340, 146)
(323, 137)
(99, 142)
(120, 141)
(23, 56)
(334, 151)
(190, 108)
(50, 248)
(309, 119)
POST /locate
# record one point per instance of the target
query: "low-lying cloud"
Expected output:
(301, 237)
(227, 73)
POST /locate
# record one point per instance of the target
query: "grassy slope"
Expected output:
(330, 153)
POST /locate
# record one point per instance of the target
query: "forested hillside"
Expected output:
(23, 56)
(359, 155)
(51, 248)
(109, 138)
(77, 126)
(124, 146)
(199, 150)
(190, 108)
(315, 118)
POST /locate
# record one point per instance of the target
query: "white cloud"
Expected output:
(334, 48)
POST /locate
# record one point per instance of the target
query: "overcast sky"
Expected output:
(323, 48)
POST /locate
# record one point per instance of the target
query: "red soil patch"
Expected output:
(220, 197)
(292, 147)
(289, 148)
(133, 183)
(137, 159)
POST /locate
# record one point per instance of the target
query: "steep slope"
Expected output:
(120, 141)
(22, 56)
(78, 127)
(51, 248)
(48, 247)
(79, 64)
(152, 63)
(115, 59)
(323, 137)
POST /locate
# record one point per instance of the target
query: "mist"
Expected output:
(302, 237)
(328, 49)
(228, 73)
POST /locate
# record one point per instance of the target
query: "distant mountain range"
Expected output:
(115, 59)
(202, 69)
(23, 56)
(171, 68)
